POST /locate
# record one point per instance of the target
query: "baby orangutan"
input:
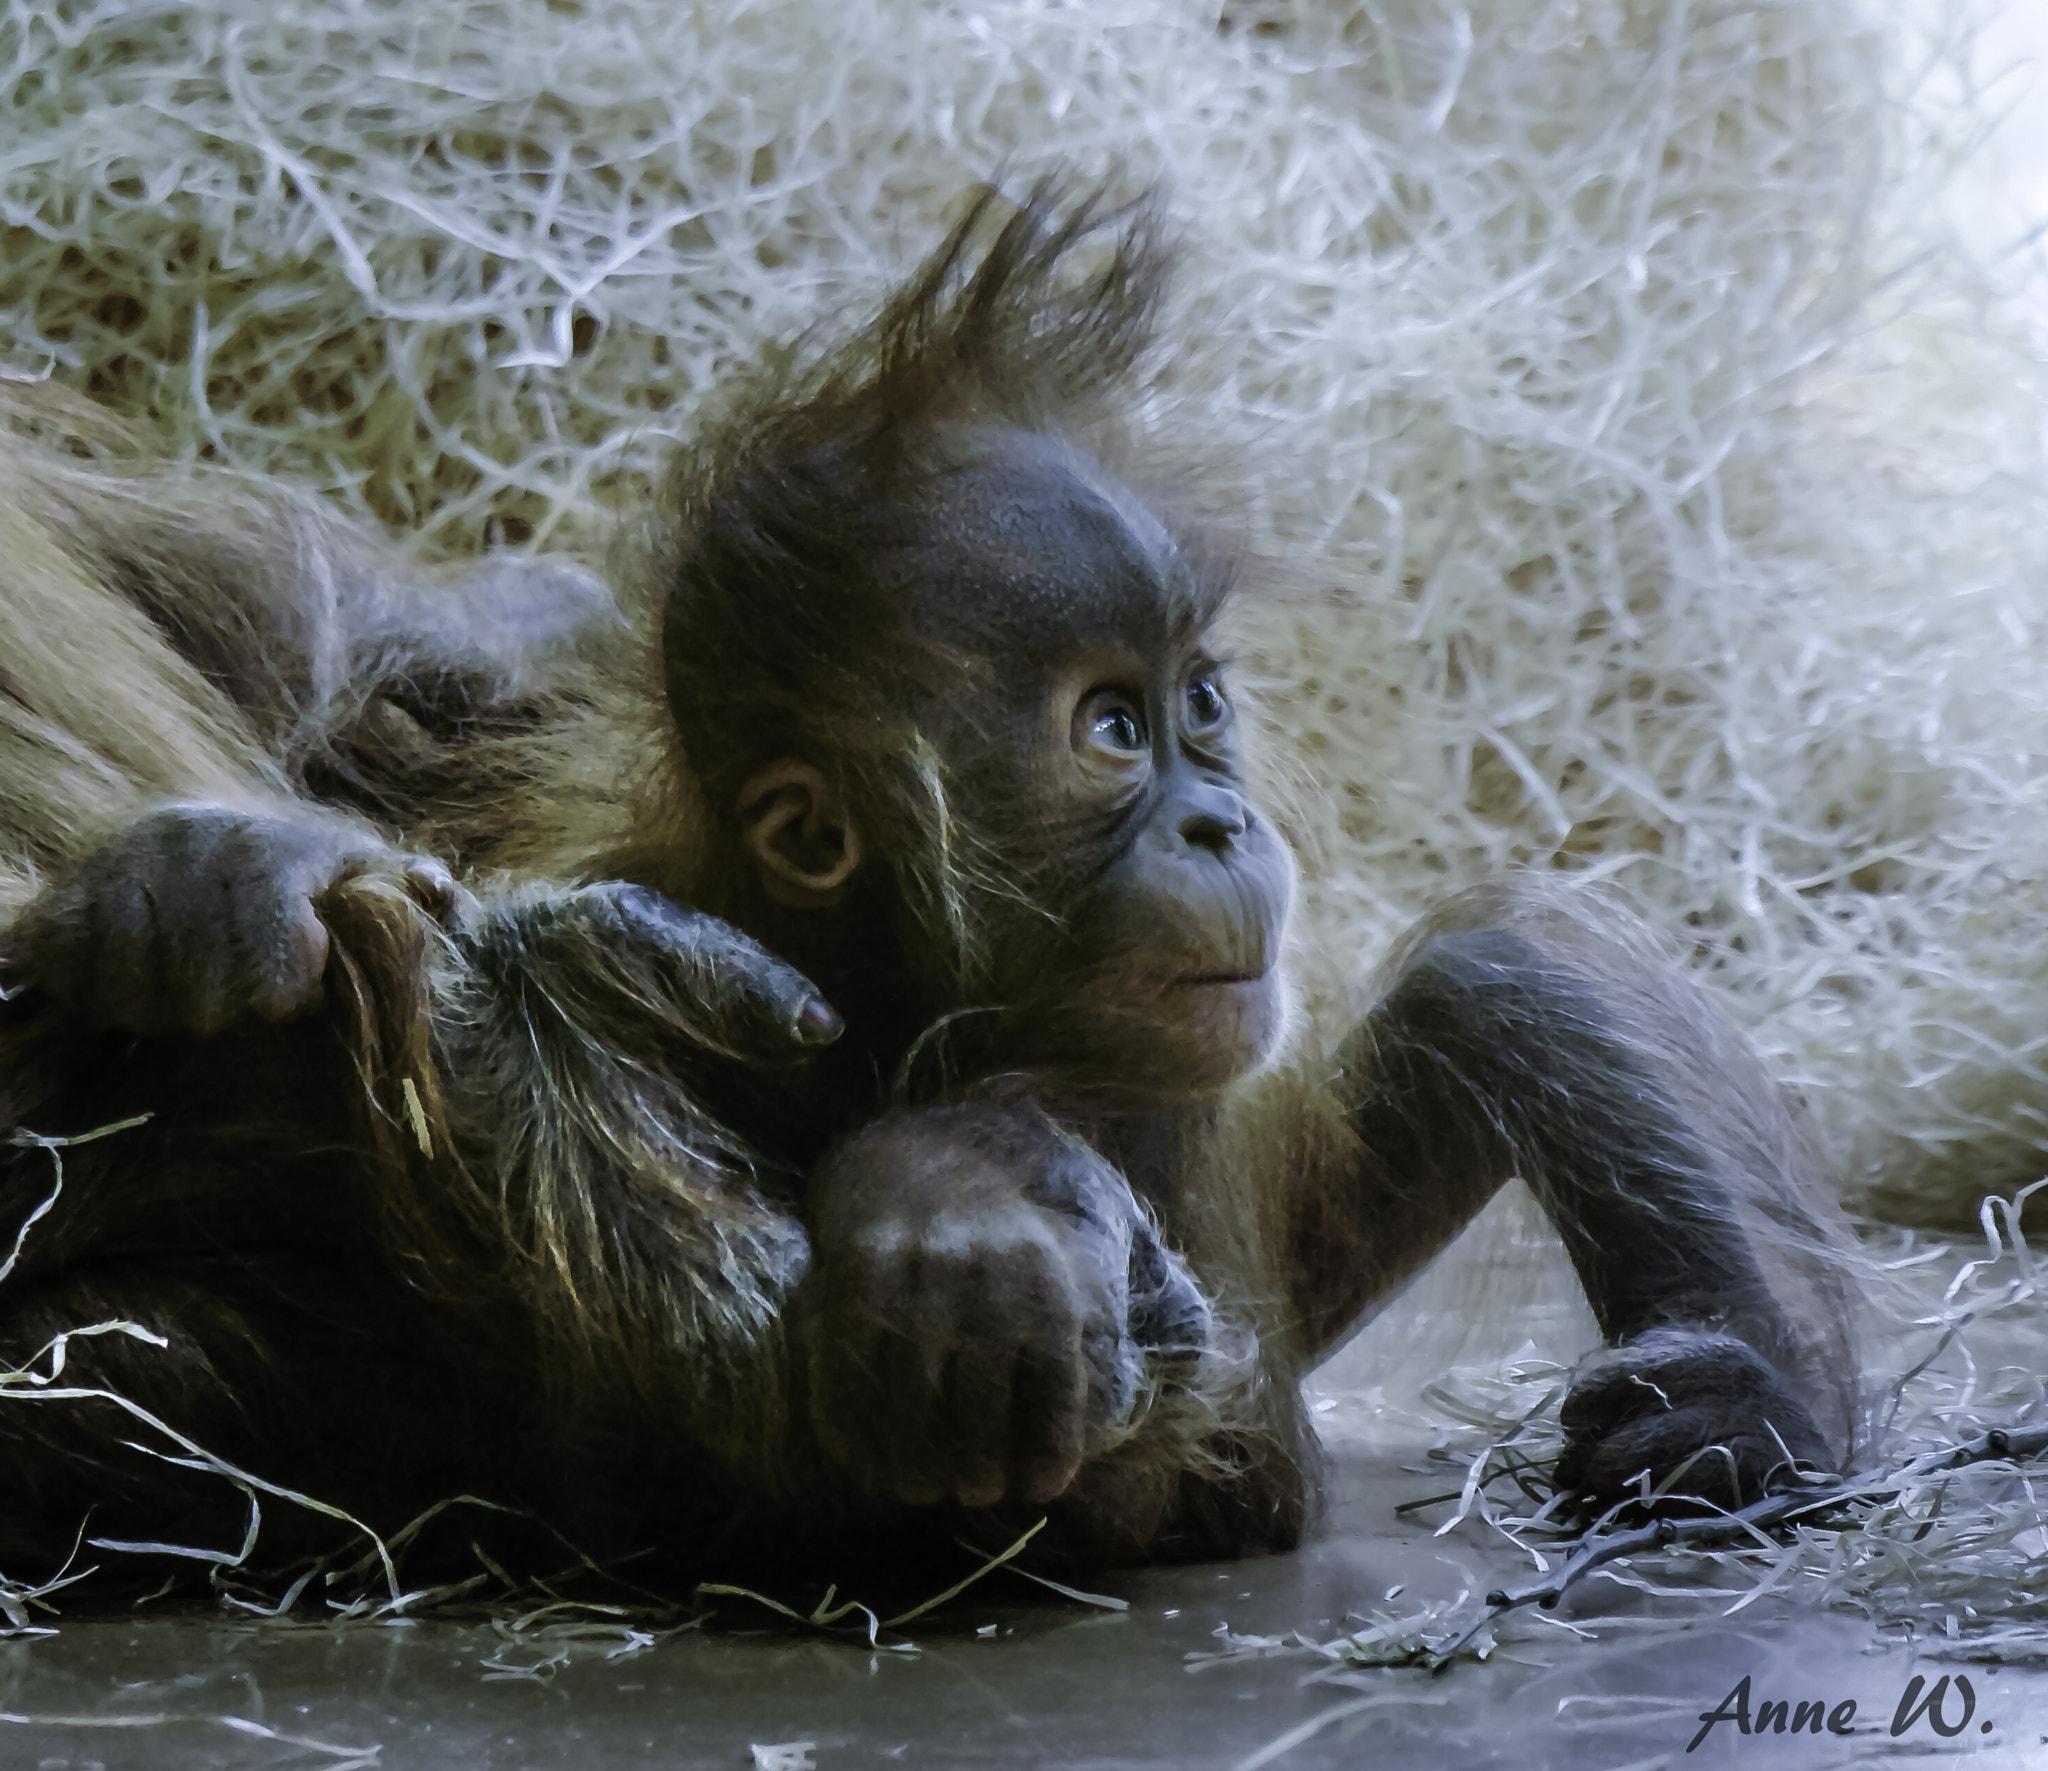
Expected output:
(807, 1060)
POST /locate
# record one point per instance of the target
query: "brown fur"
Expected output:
(502, 1114)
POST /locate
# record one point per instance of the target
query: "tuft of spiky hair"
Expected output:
(780, 635)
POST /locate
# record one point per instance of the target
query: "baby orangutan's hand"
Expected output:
(1656, 1400)
(986, 1307)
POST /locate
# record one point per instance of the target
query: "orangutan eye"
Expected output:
(1206, 703)
(1110, 722)
(1117, 728)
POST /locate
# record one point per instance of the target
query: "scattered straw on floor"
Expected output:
(1949, 1550)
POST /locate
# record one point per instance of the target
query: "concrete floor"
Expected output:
(1008, 1675)
(1050, 1684)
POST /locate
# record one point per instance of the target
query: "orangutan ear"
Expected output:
(794, 828)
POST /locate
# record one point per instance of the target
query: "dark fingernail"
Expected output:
(817, 1024)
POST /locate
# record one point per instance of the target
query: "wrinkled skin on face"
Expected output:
(1137, 944)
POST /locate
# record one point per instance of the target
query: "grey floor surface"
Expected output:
(1050, 1685)
(1059, 1685)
